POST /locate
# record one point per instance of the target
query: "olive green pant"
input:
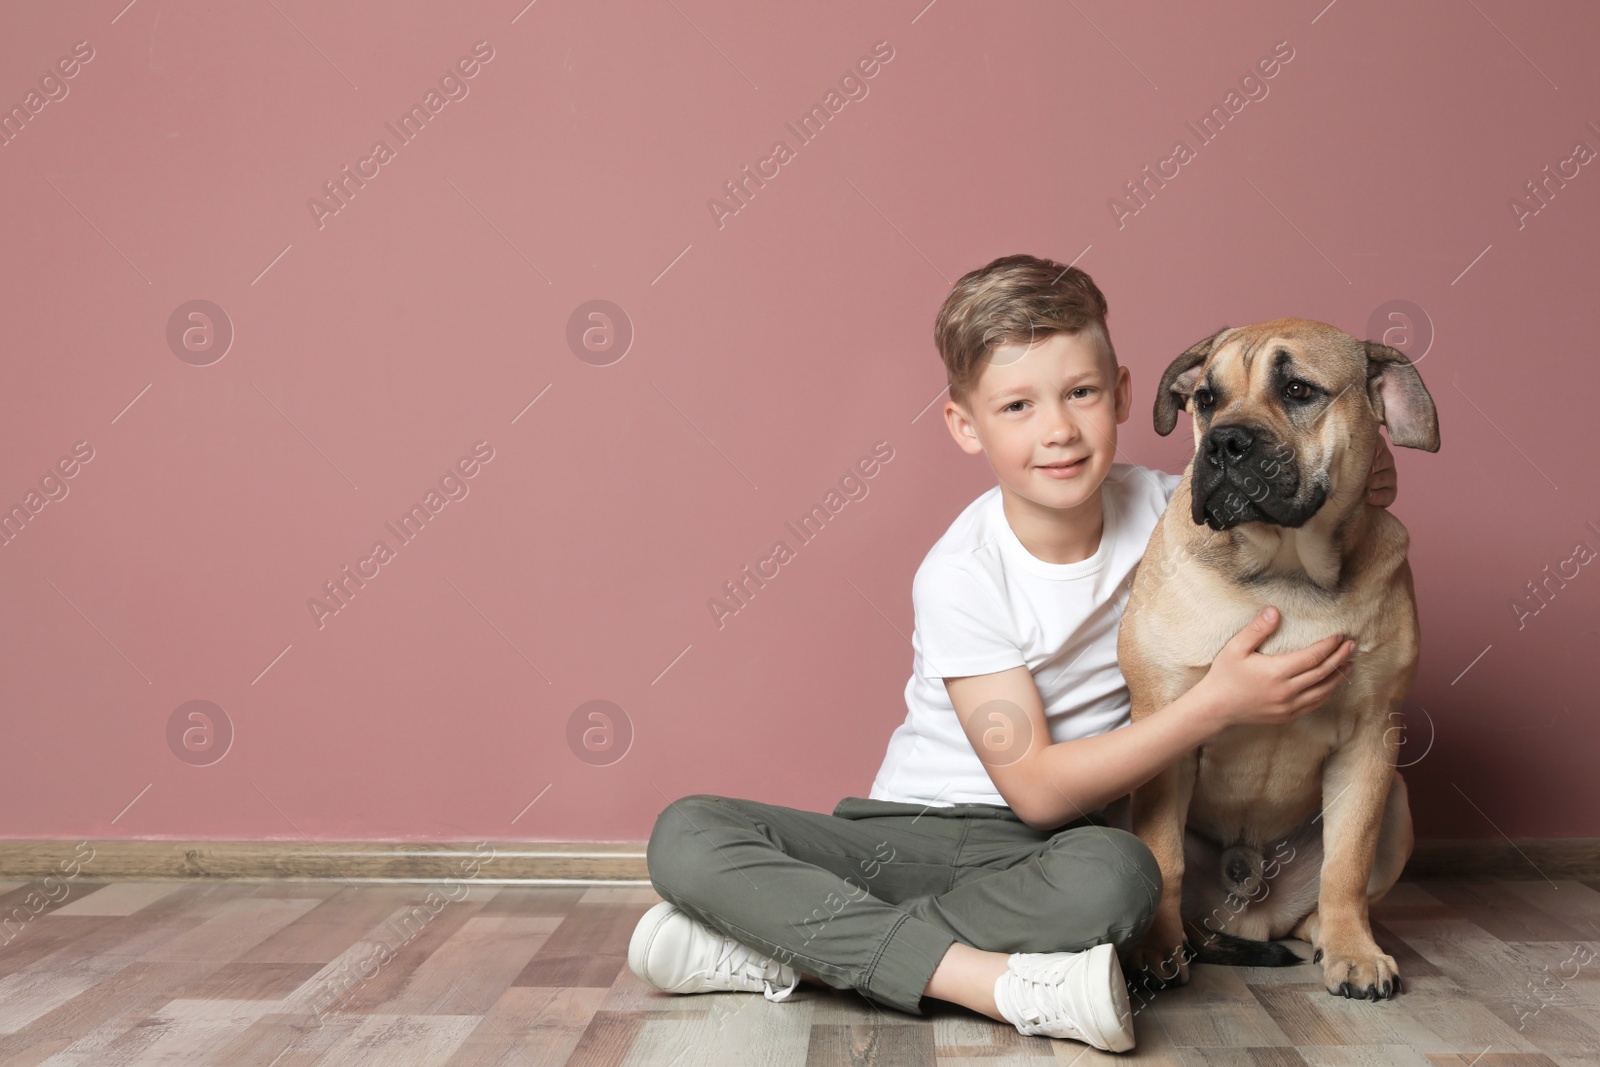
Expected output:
(871, 897)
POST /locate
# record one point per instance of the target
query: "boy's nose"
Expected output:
(1065, 429)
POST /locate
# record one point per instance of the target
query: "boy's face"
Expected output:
(1036, 407)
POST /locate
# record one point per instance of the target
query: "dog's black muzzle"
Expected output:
(1243, 473)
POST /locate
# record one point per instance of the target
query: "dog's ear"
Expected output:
(1399, 398)
(1178, 382)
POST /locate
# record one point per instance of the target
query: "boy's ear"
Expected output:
(1177, 384)
(1399, 398)
(960, 424)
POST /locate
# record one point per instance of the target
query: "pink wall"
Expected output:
(374, 349)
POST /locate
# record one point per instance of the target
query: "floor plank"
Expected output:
(312, 973)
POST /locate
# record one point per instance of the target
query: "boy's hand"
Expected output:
(1382, 483)
(1246, 687)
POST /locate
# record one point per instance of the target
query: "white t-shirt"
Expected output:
(984, 603)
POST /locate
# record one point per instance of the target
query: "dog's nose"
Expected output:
(1226, 443)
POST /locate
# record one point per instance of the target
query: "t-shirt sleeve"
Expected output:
(962, 622)
(1169, 483)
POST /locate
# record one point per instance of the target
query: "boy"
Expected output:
(982, 868)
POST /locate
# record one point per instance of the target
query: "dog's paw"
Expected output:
(1152, 965)
(1364, 974)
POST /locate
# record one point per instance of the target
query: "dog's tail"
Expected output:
(1214, 946)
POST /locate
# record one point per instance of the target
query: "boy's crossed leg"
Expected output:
(900, 901)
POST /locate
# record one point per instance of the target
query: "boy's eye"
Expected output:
(1077, 393)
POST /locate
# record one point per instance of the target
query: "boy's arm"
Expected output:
(1048, 784)
(1004, 719)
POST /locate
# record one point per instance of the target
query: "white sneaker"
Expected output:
(676, 953)
(1079, 995)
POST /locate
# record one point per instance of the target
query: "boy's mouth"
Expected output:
(1064, 469)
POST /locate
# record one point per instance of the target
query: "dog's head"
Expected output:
(1285, 417)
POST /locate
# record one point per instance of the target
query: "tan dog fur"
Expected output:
(1342, 570)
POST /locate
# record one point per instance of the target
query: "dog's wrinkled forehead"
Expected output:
(1299, 370)
(1258, 359)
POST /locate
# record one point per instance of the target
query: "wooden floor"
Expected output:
(293, 973)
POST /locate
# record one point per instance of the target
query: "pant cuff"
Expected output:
(905, 962)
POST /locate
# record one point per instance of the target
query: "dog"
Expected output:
(1303, 824)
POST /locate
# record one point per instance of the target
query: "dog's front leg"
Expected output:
(1160, 810)
(1356, 780)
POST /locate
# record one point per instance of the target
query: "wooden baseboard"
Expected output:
(1530, 858)
(490, 863)
(595, 863)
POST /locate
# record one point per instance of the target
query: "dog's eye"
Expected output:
(1297, 390)
(1203, 397)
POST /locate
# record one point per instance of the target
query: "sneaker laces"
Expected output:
(740, 966)
(1029, 981)
(782, 994)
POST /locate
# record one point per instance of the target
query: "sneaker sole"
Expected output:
(644, 936)
(1115, 1024)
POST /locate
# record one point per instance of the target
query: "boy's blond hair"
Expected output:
(1018, 298)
